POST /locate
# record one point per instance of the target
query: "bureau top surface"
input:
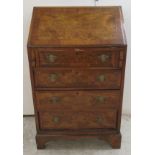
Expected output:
(76, 26)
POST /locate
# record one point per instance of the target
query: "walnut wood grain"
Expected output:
(114, 138)
(77, 78)
(77, 100)
(78, 120)
(87, 26)
(77, 59)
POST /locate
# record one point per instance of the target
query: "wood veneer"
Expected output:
(77, 63)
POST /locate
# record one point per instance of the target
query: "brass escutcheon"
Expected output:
(51, 57)
(53, 77)
(55, 99)
(100, 99)
(101, 78)
(78, 50)
(103, 57)
(56, 119)
(99, 120)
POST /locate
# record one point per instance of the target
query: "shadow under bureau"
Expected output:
(77, 63)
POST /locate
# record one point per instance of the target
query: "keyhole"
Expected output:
(77, 93)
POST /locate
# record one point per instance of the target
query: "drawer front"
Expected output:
(78, 120)
(77, 100)
(75, 57)
(77, 78)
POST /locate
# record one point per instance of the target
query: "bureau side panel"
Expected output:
(32, 64)
(123, 64)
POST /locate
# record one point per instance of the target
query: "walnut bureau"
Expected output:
(77, 63)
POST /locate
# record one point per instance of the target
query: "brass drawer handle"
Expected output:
(55, 99)
(51, 58)
(56, 119)
(103, 57)
(101, 78)
(53, 77)
(100, 99)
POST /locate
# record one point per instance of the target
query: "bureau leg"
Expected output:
(40, 146)
(114, 140)
(40, 141)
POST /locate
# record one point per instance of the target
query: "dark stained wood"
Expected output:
(78, 57)
(122, 87)
(77, 78)
(84, 132)
(69, 100)
(77, 61)
(78, 120)
(76, 26)
(32, 64)
(114, 139)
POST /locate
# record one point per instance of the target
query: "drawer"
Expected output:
(77, 78)
(78, 57)
(77, 100)
(78, 120)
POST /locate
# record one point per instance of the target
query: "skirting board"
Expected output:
(126, 114)
(28, 115)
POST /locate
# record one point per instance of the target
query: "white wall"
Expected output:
(28, 6)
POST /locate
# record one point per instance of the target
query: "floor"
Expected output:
(80, 147)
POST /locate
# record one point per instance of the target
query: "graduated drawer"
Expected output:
(78, 120)
(78, 57)
(77, 100)
(77, 78)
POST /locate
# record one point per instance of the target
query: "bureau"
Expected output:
(77, 63)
